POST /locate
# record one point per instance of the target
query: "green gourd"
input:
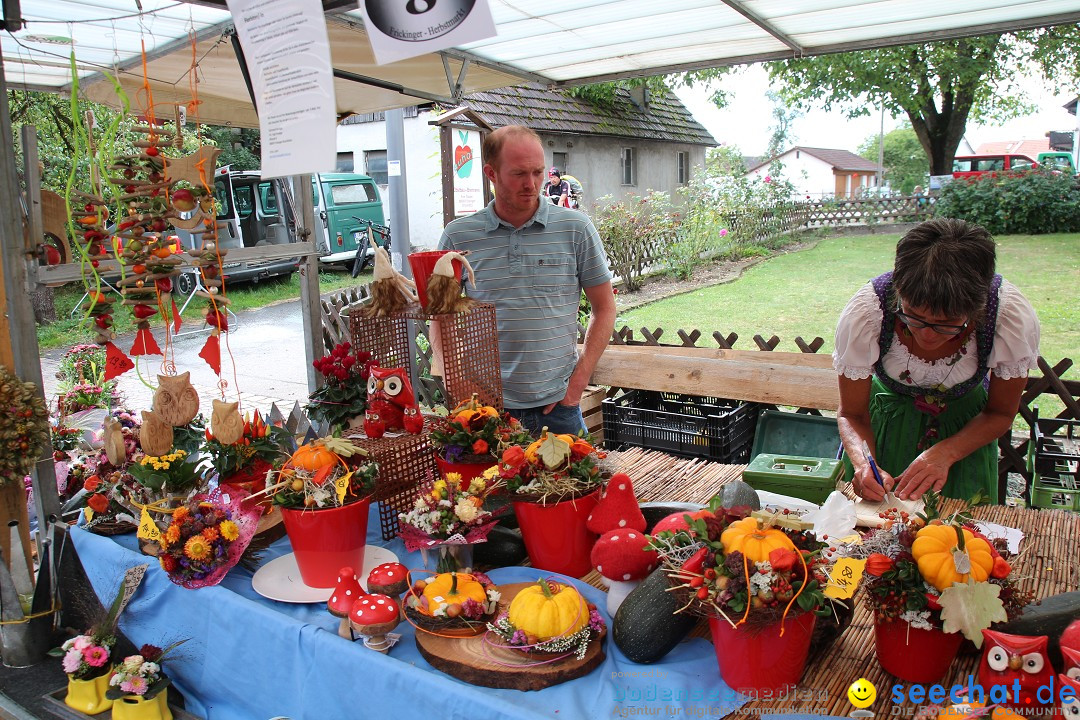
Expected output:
(646, 627)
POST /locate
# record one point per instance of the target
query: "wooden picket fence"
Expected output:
(869, 211)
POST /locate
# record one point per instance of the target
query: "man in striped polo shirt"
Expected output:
(532, 260)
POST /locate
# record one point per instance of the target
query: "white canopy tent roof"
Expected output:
(569, 42)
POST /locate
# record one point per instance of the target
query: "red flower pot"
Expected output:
(918, 656)
(251, 479)
(758, 658)
(556, 536)
(468, 471)
(423, 264)
(326, 540)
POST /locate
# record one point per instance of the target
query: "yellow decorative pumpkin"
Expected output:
(754, 540)
(548, 610)
(313, 457)
(452, 587)
(936, 550)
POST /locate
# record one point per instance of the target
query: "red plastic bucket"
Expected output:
(555, 535)
(423, 264)
(758, 658)
(918, 656)
(324, 541)
(467, 471)
(251, 479)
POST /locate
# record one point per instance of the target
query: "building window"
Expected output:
(344, 162)
(684, 167)
(561, 160)
(375, 166)
(629, 172)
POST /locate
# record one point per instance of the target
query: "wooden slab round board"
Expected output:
(468, 659)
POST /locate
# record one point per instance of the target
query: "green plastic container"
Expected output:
(807, 478)
(795, 434)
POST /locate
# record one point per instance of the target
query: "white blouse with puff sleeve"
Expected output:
(1015, 351)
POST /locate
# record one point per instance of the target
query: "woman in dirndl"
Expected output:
(932, 359)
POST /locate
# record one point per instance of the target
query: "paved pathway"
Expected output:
(266, 364)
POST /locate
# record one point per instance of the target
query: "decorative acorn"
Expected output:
(391, 291)
(444, 286)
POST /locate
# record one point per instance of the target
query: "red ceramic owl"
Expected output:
(1068, 706)
(391, 404)
(1008, 658)
(1071, 659)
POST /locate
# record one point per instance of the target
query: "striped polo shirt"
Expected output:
(533, 275)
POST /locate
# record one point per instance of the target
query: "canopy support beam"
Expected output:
(768, 27)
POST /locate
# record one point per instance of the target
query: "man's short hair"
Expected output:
(495, 140)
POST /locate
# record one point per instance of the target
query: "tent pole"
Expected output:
(397, 181)
(310, 308)
(238, 50)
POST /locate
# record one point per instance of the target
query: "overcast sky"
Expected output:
(747, 121)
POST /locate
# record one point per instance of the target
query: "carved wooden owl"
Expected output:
(176, 400)
(226, 423)
(155, 435)
(113, 437)
(391, 404)
(1008, 658)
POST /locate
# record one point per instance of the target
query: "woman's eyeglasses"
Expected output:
(915, 323)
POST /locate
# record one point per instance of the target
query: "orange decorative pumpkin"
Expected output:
(938, 550)
(450, 588)
(750, 537)
(532, 452)
(313, 457)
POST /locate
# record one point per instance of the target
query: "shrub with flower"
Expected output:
(85, 396)
(343, 395)
(552, 468)
(758, 569)
(205, 538)
(912, 572)
(141, 674)
(450, 511)
(175, 473)
(476, 433)
(86, 656)
(259, 449)
(329, 472)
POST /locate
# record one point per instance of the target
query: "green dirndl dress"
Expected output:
(908, 420)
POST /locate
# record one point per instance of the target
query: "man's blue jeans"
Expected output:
(561, 419)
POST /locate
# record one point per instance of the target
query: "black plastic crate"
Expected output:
(686, 425)
(1056, 444)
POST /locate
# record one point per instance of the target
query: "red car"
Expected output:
(975, 165)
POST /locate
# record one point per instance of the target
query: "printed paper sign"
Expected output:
(288, 58)
(399, 29)
(468, 177)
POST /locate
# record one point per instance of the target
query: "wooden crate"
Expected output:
(591, 409)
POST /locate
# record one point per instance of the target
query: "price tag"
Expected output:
(844, 579)
(342, 486)
(852, 539)
(148, 529)
(88, 513)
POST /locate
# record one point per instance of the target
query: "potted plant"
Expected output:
(554, 483)
(447, 518)
(324, 492)
(342, 399)
(471, 438)
(159, 484)
(760, 581)
(923, 604)
(137, 688)
(245, 463)
(86, 660)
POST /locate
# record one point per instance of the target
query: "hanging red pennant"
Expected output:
(211, 353)
(175, 314)
(116, 362)
(145, 344)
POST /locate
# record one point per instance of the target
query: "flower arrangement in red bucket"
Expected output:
(760, 580)
(206, 537)
(931, 581)
(473, 436)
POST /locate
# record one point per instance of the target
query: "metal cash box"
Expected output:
(807, 478)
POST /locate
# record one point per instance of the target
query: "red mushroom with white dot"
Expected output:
(346, 592)
(618, 509)
(622, 558)
(373, 616)
(390, 578)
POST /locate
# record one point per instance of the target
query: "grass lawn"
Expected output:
(802, 293)
(244, 296)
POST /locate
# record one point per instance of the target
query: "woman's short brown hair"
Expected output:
(945, 266)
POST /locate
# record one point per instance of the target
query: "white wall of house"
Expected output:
(810, 175)
(595, 161)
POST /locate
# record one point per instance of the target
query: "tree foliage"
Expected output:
(904, 159)
(938, 86)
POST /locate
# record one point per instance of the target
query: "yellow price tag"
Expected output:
(342, 486)
(852, 539)
(88, 513)
(148, 529)
(845, 577)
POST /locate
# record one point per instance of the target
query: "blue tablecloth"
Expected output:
(250, 657)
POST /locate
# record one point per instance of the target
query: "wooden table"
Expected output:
(1048, 565)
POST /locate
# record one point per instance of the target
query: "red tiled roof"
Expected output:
(839, 159)
(1031, 148)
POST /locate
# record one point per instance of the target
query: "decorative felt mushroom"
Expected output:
(622, 558)
(390, 579)
(346, 593)
(373, 616)
(618, 509)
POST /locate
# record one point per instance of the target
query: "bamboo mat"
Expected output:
(1048, 565)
